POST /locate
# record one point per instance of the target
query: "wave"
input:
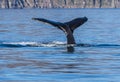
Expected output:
(32, 44)
(99, 45)
(53, 44)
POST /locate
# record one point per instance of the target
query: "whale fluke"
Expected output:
(73, 24)
(67, 27)
(76, 23)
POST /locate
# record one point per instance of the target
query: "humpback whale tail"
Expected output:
(67, 27)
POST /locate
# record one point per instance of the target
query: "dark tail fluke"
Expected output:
(75, 23)
(46, 21)
(67, 27)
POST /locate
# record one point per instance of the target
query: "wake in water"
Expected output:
(54, 44)
(32, 44)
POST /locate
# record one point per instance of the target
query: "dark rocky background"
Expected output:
(59, 3)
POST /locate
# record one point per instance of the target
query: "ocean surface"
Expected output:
(31, 51)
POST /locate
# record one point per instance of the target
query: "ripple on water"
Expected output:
(31, 51)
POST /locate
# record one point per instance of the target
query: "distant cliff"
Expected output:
(59, 3)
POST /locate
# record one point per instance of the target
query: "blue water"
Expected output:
(31, 51)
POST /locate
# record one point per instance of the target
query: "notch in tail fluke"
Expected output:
(72, 25)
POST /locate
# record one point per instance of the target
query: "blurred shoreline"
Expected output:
(21, 4)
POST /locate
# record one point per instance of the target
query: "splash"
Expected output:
(32, 44)
(54, 44)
